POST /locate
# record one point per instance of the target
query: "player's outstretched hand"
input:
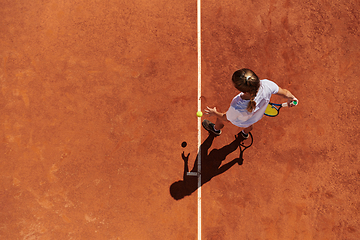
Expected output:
(210, 111)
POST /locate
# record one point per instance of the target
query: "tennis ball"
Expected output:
(199, 114)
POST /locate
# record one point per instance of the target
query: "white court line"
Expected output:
(192, 174)
(199, 109)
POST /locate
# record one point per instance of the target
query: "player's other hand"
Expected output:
(210, 111)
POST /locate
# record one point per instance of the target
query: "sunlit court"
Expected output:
(110, 127)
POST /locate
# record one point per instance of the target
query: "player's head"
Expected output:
(246, 81)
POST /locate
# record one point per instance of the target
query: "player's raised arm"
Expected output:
(291, 99)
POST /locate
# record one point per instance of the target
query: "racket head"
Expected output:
(272, 109)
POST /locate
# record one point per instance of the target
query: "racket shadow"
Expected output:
(210, 164)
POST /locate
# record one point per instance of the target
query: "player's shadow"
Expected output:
(210, 166)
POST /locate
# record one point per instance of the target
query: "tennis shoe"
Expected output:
(209, 126)
(244, 135)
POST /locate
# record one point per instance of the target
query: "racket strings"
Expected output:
(271, 110)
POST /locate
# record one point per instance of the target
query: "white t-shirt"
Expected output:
(237, 113)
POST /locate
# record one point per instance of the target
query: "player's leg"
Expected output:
(219, 124)
(245, 131)
(215, 128)
(248, 129)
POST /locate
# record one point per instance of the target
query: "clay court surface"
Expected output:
(97, 98)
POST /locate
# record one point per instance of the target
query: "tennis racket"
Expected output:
(273, 109)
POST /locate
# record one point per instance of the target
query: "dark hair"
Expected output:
(246, 80)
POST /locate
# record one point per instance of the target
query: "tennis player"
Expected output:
(249, 105)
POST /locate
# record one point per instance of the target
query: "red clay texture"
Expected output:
(97, 98)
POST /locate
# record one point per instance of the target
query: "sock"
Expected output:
(215, 129)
